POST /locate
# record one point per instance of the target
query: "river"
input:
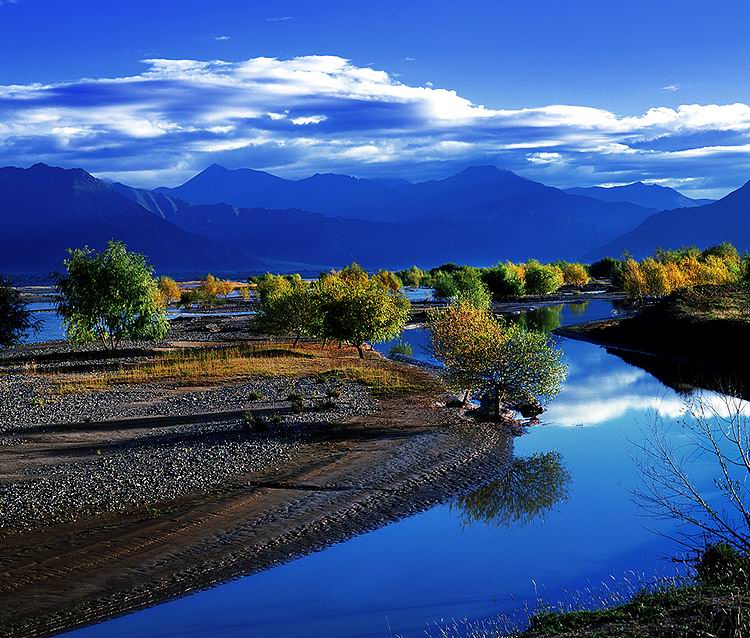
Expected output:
(462, 559)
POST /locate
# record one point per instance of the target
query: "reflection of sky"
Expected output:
(429, 567)
(600, 387)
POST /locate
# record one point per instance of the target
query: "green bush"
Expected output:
(462, 284)
(254, 395)
(542, 280)
(503, 282)
(15, 318)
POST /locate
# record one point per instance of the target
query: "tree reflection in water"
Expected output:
(544, 319)
(530, 488)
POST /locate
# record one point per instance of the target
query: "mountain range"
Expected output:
(648, 195)
(246, 220)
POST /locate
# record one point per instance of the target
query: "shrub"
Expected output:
(607, 268)
(504, 282)
(15, 318)
(540, 279)
(722, 564)
(169, 289)
(402, 348)
(254, 395)
(462, 284)
(575, 274)
(333, 393)
(110, 296)
(298, 406)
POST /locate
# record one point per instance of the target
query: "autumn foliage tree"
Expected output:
(670, 270)
(575, 274)
(169, 289)
(505, 361)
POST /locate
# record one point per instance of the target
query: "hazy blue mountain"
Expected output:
(293, 237)
(727, 219)
(647, 195)
(161, 204)
(45, 210)
(477, 193)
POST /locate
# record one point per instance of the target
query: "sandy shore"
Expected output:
(319, 483)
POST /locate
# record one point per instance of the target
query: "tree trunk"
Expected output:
(465, 399)
(296, 339)
(497, 405)
(361, 352)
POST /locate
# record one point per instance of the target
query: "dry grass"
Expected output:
(214, 366)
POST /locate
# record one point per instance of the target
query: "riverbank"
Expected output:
(701, 326)
(125, 482)
(674, 612)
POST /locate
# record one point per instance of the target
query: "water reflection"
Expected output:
(544, 319)
(532, 486)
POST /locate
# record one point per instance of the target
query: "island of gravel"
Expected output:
(134, 477)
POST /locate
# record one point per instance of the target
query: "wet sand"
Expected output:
(345, 479)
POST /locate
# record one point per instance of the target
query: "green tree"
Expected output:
(15, 318)
(412, 277)
(503, 282)
(293, 311)
(463, 284)
(541, 279)
(269, 285)
(607, 268)
(110, 296)
(504, 361)
(389, 280)
(358, 310)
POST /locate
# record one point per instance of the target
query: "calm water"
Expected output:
(450, 562)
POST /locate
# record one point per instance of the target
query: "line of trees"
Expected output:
(346, 306)
(670, 270)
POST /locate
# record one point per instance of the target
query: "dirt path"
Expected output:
(374, 469)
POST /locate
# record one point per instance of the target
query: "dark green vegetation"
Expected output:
(705, 322)
(716, 604)
(110, 296)
(15, 318)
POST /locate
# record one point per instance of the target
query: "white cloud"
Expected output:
(177, 111)
(308, 119)
(222, 38)
(671, 87)
(544, 158)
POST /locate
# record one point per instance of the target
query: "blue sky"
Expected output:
(567, 92)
